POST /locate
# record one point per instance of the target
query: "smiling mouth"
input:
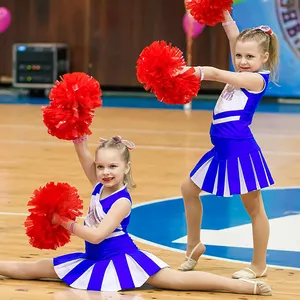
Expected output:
(108, 179)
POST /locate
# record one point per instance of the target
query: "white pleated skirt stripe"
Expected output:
(235, 175)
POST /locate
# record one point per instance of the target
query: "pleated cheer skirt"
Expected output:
(231, 167)
(121, 272)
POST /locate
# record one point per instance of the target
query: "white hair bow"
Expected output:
(265, 28)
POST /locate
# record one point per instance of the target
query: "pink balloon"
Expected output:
(4, 19)
(196, 28)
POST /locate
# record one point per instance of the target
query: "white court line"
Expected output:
(287, 135)
(7, 213)
(204, 193)
(148, 147)
(13, 214)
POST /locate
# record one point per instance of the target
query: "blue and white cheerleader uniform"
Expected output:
(115, 263)
(235, 165)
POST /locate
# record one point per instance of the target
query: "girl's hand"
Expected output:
(226, 15)
(56, 220)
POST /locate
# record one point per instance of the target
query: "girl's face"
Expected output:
(249, 57)
(111, 168)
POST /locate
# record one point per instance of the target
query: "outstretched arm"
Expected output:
(86, 159)
(247, 80)
(110, 222)
(232, 33)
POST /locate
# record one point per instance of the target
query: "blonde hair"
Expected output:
(268, 43)
(116, 143)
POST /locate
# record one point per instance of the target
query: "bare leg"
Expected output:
(260, 229)
(28, 270)
(201, 281)
(193, 212)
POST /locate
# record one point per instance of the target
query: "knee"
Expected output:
(251, 212)
(253, 203)
(255, 210)
(189, 189)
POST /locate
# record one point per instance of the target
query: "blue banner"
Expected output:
(283, 16)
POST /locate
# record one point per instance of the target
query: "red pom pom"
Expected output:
(72, 105)
(209, 12)
(157, 68)
(156, 62)
(58, 198)
(180, 89)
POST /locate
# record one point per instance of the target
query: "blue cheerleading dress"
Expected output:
(115, 263)
(235, 165)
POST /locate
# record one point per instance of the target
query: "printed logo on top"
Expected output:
(288, 12)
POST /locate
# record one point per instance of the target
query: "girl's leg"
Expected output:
(202, 281)
(193, 213)
(28, 270)
(260, 229)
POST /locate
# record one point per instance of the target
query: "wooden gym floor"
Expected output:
(167, 143)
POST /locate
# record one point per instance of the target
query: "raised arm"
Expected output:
(232, 33)
(86, 159)
(110, 222)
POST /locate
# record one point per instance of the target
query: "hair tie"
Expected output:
(265, 28)
(117, 138)
(130, 145)
(102, 140)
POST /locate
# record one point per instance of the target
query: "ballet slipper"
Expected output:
(248, 273)
(190, 263)
(260, 287)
